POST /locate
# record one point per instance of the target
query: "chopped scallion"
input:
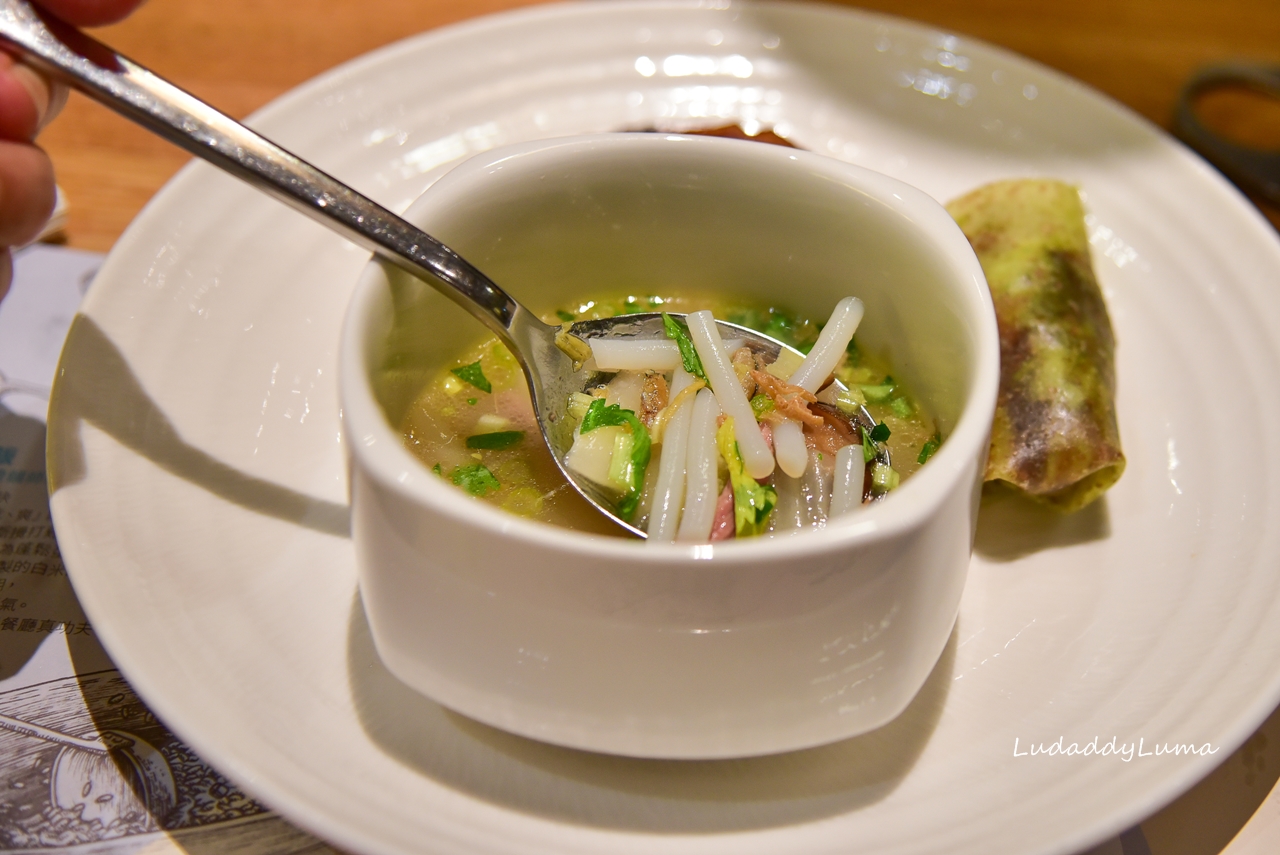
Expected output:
(495, 440)
(883, 478)
(578, 404)
(621, 464)
(878, 394)
(850, 400)
(901, 408)
(760, 405)
(880, 433)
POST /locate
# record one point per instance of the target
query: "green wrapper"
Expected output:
(1054, 437)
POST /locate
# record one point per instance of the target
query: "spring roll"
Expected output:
(1054, 437)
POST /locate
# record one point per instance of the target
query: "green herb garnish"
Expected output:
(472, 374)
(930, 446)
(679, 333)
(472, 401)
(565, 316)
(872, 438)
(476, 479)
(600, 414)
(496, 440)
(752, 501)
(761, 404)
(436, 469)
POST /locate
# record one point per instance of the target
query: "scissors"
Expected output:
(1254, 170)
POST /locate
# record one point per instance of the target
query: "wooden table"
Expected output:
(240, 54)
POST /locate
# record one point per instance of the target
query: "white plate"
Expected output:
(200, 488)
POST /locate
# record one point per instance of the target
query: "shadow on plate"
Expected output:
(103, 391)
(669, 796)
(1011, 526)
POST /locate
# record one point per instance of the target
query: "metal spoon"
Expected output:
(551, 356)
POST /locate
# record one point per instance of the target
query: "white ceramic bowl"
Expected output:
(677, 651)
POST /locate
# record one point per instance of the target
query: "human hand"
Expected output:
(27, 103)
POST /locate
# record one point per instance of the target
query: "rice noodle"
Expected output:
(789, 513)
(846, 487)
(636, 354)
(756, 455)
(815, 491)
(629, 354)
(789, 447)
(668, 494)
(831, 345)
(679, 398)
(700, 470)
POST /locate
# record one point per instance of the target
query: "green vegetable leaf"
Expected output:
(752, 501)
(476, 479)
(868, 447)
(567, 317)
(496, 440)
(679, 333)
(930, 446)
(600, 414)
(761, 404)
(472, 374)
(880, 433)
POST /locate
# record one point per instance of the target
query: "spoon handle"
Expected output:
(68, 55)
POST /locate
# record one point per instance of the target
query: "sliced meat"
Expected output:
(839, 421)
(824, 438)
(724, 527)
